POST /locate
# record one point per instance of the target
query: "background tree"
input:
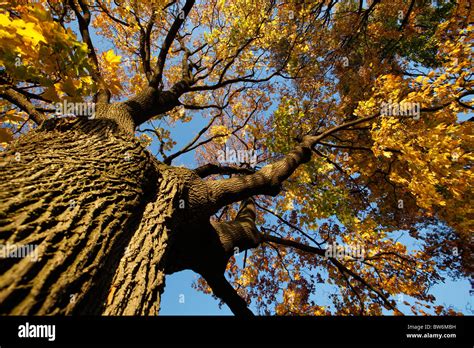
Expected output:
(300, 84)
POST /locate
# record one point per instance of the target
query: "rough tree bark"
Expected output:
(104, 215)
(77, 189)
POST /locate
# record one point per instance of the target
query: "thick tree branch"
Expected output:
(83, 18)
(23, 103)
(211, 168)
(241, 233)
(152, 102)
(158, 76)
(222, 289)
(407, 16)
(30, 95)
(235, 236)
(186, 63)
(145, 46)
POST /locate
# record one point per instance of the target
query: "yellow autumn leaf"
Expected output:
(4, 20)
(28, 31)
(221, 132)
(111, 57)
(420, 79)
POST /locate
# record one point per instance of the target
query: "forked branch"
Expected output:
(268, 180)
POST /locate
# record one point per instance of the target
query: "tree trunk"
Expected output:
(81, 191)
(108, 221)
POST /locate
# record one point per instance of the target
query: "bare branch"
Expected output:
(335, 262)
(30, 95)
(296, 228)
(192, 145)
(158, 76)
(108, 14)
